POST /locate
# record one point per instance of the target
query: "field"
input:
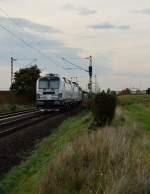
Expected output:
(138, 108)
(77, 160)
(10, 103)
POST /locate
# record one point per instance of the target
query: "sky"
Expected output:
(116, 33)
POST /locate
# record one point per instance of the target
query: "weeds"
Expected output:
(106, 162)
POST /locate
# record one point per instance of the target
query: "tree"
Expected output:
(126, 91)
(25, 82)
(148, 91)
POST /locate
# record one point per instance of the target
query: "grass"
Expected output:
(25, 179)
(138, 108)
(110, 160)
(130, 100)
(113, 160)
(106, 162)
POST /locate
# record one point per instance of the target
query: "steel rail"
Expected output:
(10, 114)
(20, 118)
(19, 126)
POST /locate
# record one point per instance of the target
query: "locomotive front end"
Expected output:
(49, 94)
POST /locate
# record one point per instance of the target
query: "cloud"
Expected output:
(102, 26)
(84, 11)
(36, 27)
(124, 27)
(143, 11)
(130, 74)
(5, 72)
(50, 46)
(79, 10)
(108, 26)
(69, 7)
(29, 25)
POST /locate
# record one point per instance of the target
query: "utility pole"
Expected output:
(90, 75)
(89, 71)
(95, 84)
(12, 69)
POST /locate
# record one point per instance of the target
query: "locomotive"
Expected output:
(55, 92)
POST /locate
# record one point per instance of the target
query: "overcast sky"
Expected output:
(116, 33)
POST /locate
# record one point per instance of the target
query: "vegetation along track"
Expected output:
(10, 124)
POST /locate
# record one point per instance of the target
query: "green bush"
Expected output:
(103, 107)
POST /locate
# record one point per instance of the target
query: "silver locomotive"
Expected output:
(56, 92)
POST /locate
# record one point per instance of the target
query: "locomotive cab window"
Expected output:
(43, 84)
(54, 83)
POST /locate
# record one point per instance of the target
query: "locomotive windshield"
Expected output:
(52, 83)
(43, 83)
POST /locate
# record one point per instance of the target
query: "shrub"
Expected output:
(103, 107)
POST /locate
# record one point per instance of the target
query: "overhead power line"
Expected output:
(16, 24)
(78, 67)
(26, 59)
(21, 39)
(11, 19)
(90, 71)
(27, 44)
(77, 58)
(35, 48)
(70, 68)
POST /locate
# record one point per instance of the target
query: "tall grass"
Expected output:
(105, 162)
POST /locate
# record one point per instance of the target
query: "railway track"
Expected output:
(18, 139)
(10, 123)
(7, 115)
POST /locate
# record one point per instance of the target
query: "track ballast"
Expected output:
(11, 123)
